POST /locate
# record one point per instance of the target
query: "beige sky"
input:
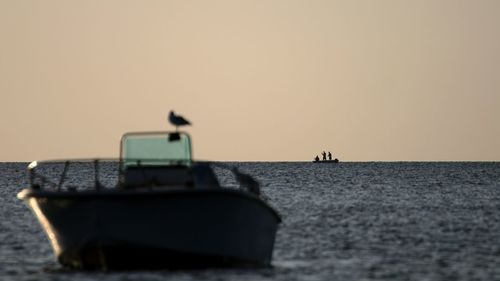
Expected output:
(261, 80)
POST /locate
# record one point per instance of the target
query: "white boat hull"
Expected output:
(169, 228)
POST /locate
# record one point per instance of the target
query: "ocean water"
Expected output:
(350, 221)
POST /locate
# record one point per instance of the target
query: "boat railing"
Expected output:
(109, 173)
(58, 174)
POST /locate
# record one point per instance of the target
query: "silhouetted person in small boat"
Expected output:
(316, 159)
(324, 155)
(329, 155)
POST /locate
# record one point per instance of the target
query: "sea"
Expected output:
(346, 221)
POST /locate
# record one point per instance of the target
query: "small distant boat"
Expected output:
(327, 161)
(166, 211)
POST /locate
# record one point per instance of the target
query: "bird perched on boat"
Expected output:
(247, 181)
(177, 120)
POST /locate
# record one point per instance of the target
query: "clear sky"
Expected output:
(260, 80)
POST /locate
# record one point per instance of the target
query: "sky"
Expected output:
(261, 80)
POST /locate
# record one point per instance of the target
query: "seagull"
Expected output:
(246, 181)
(177, 120)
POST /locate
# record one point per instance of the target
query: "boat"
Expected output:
(334, 161)
(165, 211)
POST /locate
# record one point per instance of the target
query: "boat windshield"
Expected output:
(155, 148)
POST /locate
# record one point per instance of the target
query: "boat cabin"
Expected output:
(161, 159)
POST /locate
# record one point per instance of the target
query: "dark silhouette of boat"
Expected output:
(334, 161)
(166, 211)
